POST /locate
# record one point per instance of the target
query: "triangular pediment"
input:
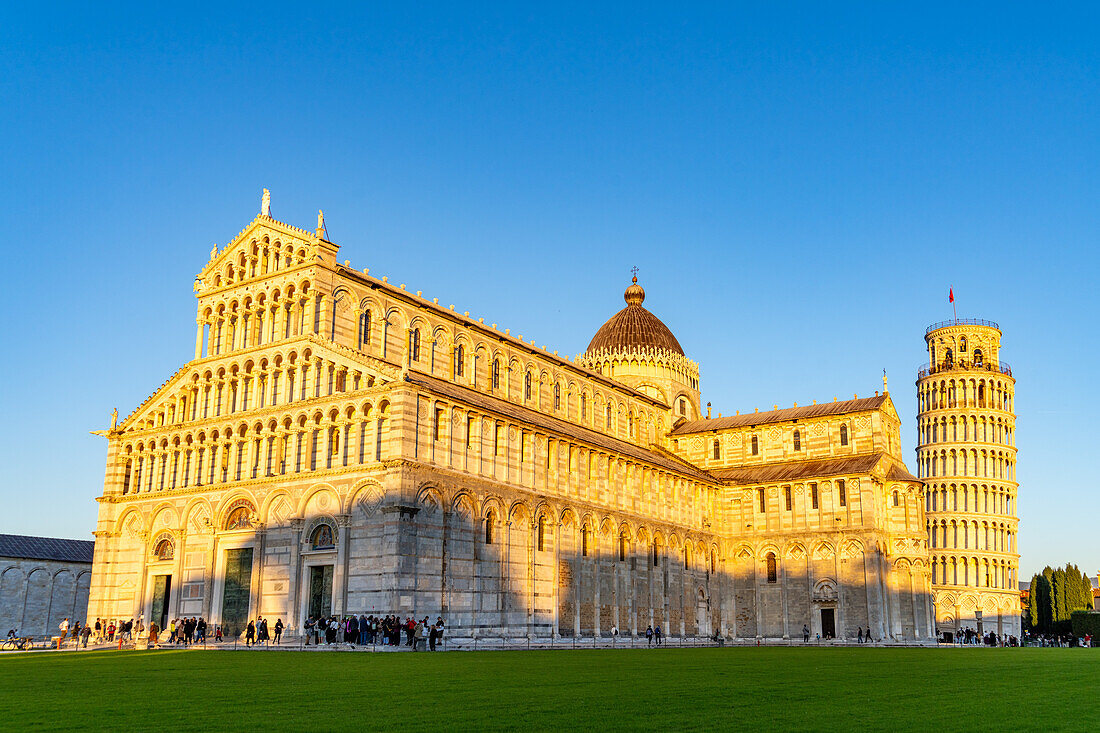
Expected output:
(888, 408)
(262, 247)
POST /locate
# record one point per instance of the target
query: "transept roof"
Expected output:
(774, 416)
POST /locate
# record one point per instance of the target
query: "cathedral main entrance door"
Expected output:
(162, 591)
(828, 623)
(320, 590)
(238, 582)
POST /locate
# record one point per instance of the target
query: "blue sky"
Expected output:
(798, 185)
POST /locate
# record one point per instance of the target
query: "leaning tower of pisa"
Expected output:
(966, 456)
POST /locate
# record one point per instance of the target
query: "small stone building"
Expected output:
(43, 580)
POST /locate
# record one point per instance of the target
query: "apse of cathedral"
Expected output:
(342, 444)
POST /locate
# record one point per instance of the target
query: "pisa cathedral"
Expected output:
(341, 444)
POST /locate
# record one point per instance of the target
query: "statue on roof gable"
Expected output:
(265, 203)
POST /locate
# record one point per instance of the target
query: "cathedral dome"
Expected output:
(634, 327)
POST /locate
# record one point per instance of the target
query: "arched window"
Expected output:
(322, 538)
(460, 360)
(414, 345)
(773, 569)
(717, 449)
(165, 549)
(527, 386)
(557, 396)
(948, 358)
(364, 328)
(622, 548)
(584, 541)
(683, 406)
(496, 374)
(977, 357)
(797, 440)
(541, 532)
(755, 446)
(609, 417)
(897, 499)
(584, 406)
(962, 344)
(489, 528)
(844, 435)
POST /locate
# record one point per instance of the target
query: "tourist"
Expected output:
(352, 630)
(200, 630)
(87, 631)
(250, 634)
(417, 635)
(657, 634)
(63, 627)
(111, 631)
(309, 627)
(805, 634)
(154, 630)
(859, 637)
(218, 633)
(98, 631)
(278, 630)
(649, 635)
(172, 638)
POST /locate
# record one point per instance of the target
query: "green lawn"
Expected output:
(668, 689)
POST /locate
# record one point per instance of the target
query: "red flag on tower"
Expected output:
(950, 295)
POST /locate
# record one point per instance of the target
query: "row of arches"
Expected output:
(974, 571)
(236, 323)
(977, 392)
(962, 462)
(353, 433)
(966, 428)
(980, 499)
(970, 534)
(260, 257)
(255, 382)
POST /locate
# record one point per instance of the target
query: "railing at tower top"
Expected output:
(961, 322)
(999, 367)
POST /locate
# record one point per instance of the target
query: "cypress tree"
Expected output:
(1033, 604)
(1048, 605)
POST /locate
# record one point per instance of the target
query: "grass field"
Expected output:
(669, 689)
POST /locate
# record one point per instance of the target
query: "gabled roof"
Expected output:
(46, 548)
(791, 413)
(536, 419)
(822, 468)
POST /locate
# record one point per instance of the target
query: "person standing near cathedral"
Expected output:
(278, 630)
(657, 634)
(250, 634)
(805, 634)
(649, 635)
(63, 627)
